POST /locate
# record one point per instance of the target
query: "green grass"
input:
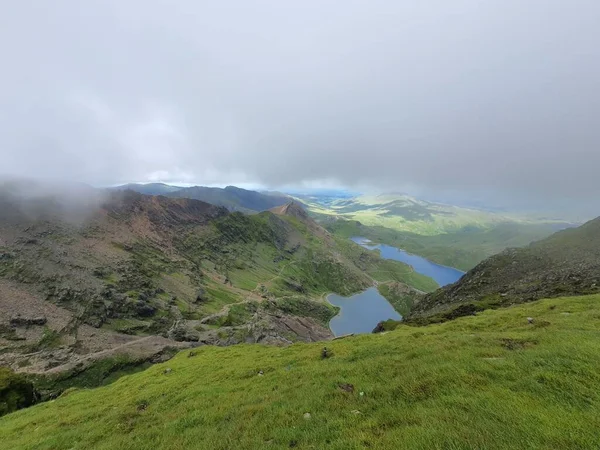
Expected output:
(491, 381)
(401, 299)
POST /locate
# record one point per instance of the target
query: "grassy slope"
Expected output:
(462, 249)
(491, 381)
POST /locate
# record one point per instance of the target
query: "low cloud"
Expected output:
(495, 99)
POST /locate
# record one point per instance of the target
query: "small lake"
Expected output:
(361, 312)
(443, 275)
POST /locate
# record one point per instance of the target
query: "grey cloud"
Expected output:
(497, 97)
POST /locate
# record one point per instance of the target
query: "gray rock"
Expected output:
(22, 321)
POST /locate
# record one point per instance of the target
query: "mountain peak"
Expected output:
(291, 208)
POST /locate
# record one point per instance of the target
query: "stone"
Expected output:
(200, 295)
(347, 387)
(307, 416)
(20, 321)
(167, 371)
(144, 310)
(530, 319)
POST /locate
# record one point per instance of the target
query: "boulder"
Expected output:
(23, 321)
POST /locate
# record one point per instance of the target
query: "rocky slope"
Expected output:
(566, 263)
(87, 275)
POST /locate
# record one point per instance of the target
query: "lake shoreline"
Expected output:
(441, 274)
(405, 251)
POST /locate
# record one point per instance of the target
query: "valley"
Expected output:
(123, 279)
(118, 288)
(311, 226)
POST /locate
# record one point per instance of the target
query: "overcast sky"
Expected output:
(482, 98)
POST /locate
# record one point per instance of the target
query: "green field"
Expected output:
(492, 381)
(404, 213)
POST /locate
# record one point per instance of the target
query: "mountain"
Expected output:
(493, 381)
(232, 198)
(150, 188)
(96, 280)
(566, 263)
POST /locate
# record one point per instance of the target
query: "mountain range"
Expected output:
(231, 197)
(97, 285)
(108, 273)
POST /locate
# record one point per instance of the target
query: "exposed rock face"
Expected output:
(275, 329)
(20, 321)
(566, 263)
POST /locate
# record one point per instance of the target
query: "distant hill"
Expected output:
(566, 263)
(407, 214)
(231, 197)
(150, 188)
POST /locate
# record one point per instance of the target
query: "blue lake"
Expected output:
(361, 312)
(443, 275)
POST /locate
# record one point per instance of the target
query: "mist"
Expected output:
(494, 101)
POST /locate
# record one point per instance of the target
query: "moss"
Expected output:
(16, 391)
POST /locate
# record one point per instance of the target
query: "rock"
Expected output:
(260, 373)
(192, 353)
(347, 387)
(307, 416)
(200, 295)
(167, 371)
(183, 334)
(379, 328)
(22, 321)
(530, 319)
(144, 310)
(355, 411)
(325, 353)
(362, 394)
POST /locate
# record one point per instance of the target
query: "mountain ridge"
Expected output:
(565, 263)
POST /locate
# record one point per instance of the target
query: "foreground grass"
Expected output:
(490, 381)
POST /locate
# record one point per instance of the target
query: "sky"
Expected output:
(489, 101)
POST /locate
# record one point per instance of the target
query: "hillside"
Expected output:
(462, 249)
(150, 188)
(491, 381)
(124, 276)
(566, 263)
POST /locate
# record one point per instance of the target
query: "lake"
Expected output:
(443, 275)
(361, 312)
